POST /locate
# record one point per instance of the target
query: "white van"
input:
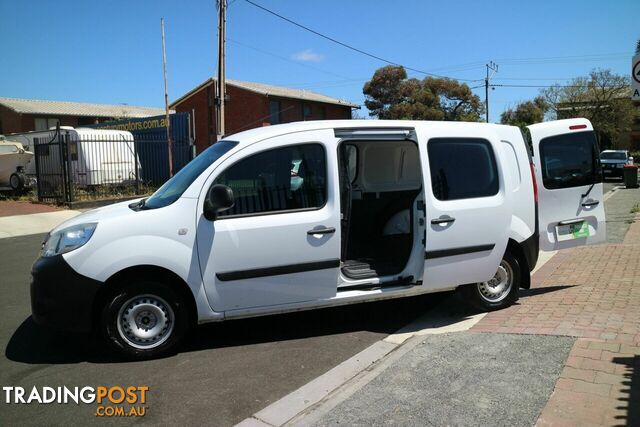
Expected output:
(324, 213)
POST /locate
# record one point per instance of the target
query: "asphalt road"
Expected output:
(225, 373)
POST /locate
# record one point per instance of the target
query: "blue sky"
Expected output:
(110, 52)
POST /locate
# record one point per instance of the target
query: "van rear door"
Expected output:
(569, 179)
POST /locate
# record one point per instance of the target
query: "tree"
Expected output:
(602, 97)
(391, 95)
(525, 113)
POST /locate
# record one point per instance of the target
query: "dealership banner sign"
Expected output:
(635, 78)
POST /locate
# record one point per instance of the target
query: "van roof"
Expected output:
(258, 134)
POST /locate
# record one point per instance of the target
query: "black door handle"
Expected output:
(324, 230)
(590, 203)
(444, 219)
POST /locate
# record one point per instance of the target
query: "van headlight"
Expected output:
(67, 239)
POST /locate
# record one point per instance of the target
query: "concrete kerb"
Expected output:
(612, 192)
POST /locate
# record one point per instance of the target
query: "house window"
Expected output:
(44, 123)
(306, 111)
(274, 112)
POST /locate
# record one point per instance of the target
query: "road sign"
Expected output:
(635, 78)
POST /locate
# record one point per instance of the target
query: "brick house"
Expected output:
(251, 105)
(25, 115)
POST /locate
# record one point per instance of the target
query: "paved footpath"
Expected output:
(592, 293)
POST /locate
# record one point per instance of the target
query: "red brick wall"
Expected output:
(198, 102)
(13, 122)
(247, 110)
(10, 121)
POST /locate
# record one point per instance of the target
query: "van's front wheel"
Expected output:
(498, 292)
(144, 320)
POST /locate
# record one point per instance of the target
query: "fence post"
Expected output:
(63, 171)
(69, 175)
(137, 165)
(38, 175)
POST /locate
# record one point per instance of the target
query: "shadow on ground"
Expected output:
(630, 401)
(540, 291)
(34, 344)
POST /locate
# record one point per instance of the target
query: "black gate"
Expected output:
(51, 154)
(75, 165)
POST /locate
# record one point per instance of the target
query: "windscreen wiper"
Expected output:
(589, 190)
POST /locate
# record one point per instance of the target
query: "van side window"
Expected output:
(281, 179)
(569, 160)
(462, 168)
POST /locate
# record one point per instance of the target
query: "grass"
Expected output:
(83, 193)
(635, 208)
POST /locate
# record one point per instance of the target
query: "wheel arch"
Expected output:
(515, 249)
(116, 282)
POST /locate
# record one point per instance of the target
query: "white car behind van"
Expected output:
(317, 214)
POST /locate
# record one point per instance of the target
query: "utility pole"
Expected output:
(221, 86)
(494, 68)
(166, 101)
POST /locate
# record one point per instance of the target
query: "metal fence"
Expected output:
(73, 166)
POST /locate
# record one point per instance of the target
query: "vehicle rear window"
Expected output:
(570, 160)
(613, 156)
(462, 168)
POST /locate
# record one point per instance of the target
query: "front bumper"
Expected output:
(61, 297)
(610, 172)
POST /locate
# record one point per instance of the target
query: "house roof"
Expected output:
(64, 108)
(270, 90)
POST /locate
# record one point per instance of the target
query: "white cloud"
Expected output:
(307, 55)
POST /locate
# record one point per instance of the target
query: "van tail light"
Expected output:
(535, 184)
(576, 127)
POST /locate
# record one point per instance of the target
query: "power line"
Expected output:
(345, 45)
(567, 57)
(534, 86)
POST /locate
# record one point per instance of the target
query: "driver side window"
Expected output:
(280, 179)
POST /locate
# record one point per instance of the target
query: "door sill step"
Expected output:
(401, 281)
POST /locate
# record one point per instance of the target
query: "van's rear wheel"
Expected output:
(144, 320)
(500, 291)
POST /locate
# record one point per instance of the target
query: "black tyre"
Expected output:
(16, 181)
(144, 319)
(499, 292)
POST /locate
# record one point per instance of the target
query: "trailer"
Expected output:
(85, 157)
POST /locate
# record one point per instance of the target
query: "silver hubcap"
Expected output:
(497, 289)
(145, 321)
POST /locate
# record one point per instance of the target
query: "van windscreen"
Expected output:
(178, 184)
(570, 160)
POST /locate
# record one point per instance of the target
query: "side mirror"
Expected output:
(630, 160)
(219, 198)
